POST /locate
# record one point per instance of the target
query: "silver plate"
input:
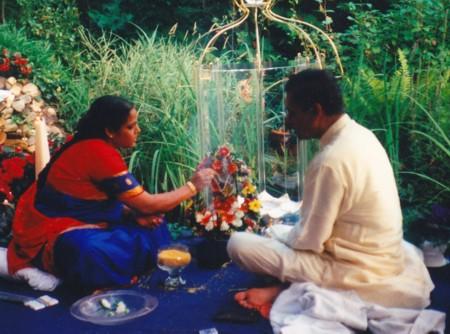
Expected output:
(91, 310)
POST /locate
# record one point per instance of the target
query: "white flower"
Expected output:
(237, 222)
(209, 226)
(199, 217)
(240, 214)
(224, 226)
(235, 206)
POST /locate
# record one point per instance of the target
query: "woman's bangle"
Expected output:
(192, 187)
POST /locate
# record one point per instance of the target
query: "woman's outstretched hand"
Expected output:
(202, 178)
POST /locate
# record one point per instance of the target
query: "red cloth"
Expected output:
(74, 173)
(81, 165)
(31, 231)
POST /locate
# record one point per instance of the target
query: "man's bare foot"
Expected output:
(260, 299)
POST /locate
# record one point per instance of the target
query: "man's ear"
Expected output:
(318, 109)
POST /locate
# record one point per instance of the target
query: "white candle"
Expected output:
(42, 153)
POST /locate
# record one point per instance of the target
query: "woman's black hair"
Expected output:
(106, 112)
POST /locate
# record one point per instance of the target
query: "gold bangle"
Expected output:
(192, 187)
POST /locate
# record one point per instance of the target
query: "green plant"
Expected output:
(49, 73)
(418, 27)
(55, 21)
(110, 16)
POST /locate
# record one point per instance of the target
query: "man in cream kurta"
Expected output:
(350, 236)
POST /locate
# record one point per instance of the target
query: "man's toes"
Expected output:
(240, 296)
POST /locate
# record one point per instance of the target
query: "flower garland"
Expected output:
(235, 205)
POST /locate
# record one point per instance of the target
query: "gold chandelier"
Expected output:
(246, 7)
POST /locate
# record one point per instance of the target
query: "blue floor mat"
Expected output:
(185, 311)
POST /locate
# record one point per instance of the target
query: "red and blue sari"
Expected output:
(73, 224)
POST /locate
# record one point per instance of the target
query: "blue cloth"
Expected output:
(124, 183)
(99, 258)
(53, 203)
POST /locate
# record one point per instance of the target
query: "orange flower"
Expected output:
(232, 168)
(217, 165)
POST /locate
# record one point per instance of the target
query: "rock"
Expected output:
(30, 117)
(31, 89)
(16, 89)
(36, 106)
(51, 111)
(9, 100)
(26, 99)
(25, 130)
(10, 82)
(18, 105)
(7, 112)
(10, 126)
(2, 138)
(2, 82)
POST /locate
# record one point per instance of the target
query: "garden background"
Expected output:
(395, 54)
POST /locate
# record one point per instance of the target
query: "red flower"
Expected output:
(13, 168)
(25, 70)
(19, 60)
(4, 67)
(228, 218)
(206, 219)
(224, 151)
(244, 207)
(215, 186)
(232, 168)
(217, 165)
(249, 222)
(69, 138)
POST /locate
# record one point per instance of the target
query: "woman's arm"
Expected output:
(147, 204)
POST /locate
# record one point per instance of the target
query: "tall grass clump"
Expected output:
(155, 73)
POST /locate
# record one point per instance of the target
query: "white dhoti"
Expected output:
(409, 289)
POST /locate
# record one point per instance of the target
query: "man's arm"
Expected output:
(323, 196)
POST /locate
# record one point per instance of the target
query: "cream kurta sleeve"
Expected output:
(323, 196)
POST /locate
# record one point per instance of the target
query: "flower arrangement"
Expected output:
(14, 65)
(235, 205)
(16, 174)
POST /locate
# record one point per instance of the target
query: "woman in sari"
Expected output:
(86, 219)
